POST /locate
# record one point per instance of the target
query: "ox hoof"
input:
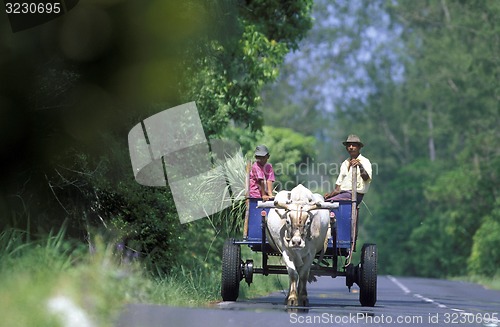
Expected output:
(297, 306)
(303, 301)
(297, 302)
(292, 301)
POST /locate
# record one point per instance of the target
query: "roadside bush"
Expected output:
(486, 248)
(100, 196)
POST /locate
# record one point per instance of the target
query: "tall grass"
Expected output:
(183, 287)
(28, 269)
(99, 282)
(262, 285)
(232, 197)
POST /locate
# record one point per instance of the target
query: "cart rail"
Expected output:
(321, 205)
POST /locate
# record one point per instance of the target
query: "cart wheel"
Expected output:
(368, 275)
(248, 269)
(231, 270)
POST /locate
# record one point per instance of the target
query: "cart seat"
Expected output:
(255, 220)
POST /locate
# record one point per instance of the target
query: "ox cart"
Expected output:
(334, 261)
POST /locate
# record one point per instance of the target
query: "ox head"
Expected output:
(298, 219)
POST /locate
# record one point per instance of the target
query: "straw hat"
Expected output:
(353, 139)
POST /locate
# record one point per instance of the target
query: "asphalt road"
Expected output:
(401, 301)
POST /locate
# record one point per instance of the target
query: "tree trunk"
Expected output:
(432, 148)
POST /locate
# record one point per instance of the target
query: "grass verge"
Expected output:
(97, 283)
(492, 283)
(261, 285)
(52, 281)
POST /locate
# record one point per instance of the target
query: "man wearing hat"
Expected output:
(343, 185)
(261, 175)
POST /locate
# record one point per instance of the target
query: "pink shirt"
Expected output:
(258, 173)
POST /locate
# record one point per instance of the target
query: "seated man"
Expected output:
(261, 175)
(343, 185)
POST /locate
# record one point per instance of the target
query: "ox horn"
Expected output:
(313, 206)
(324, 205)
(281, 205)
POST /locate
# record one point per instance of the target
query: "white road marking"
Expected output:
(426, 299)
(400, 285)
(491, 322)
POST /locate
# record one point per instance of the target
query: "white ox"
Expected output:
(297, 229)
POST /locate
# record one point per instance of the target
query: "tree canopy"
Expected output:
(71, 89)
(419, 82)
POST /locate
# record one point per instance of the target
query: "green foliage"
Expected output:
(399, 223)
(66, 112)
(430, 133)
(262, 285)
(228, 221)
(100, 282)
(485, 252)
(452, 121)
(492, 283)
(283, 21)
(226, 84)
(245, 138)
(143, 218)
(418, 81)
(291, 154)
